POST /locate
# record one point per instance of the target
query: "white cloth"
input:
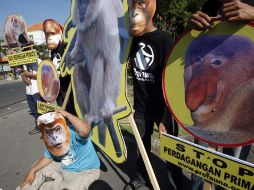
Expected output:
(32, 88)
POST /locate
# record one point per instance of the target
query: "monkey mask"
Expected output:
(53, 32)
(55, 133)
(141, 14)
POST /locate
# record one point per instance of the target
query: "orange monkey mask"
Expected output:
(141, 14)
(53, 32)
(55, 133)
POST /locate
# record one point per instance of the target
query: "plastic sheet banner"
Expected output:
(43, 107)
(220, 169)
(22, 58)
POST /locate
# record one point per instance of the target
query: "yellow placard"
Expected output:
(22, 58)
(48, 81)
(43, 107)
(223, 170)
(208, 107)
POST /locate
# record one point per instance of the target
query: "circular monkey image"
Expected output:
(55, 133)
(48, 81)
(218, 87)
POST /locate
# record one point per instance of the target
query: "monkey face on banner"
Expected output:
(96, 57)
(53, 33)
(15, 31)
(48, 81)
(217, 84)
(55, 133)
(141, 14)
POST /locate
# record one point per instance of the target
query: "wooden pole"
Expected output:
(66, 98)
(143, 153)
(207, 184)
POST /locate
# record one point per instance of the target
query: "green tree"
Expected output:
(172, 15)
(42, 51)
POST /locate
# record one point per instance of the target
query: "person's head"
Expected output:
(141, 13)
(55, 133)
(53, 32)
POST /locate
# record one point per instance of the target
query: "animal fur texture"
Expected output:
(219, 85)
(97, 57)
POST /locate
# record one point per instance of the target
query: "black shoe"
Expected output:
(33, 131)
(134, 184)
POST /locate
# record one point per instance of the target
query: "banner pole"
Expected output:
(208, 185)
(66, 98)
(143, 153)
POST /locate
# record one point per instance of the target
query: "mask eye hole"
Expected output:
(217, 62)
(198, 60)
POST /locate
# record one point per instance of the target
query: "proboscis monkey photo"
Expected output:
(15, 32)
(219, 87)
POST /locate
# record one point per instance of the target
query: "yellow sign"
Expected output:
(207, 83)
(223, 170)
(48, 81)
(43, 107)
(22, 58)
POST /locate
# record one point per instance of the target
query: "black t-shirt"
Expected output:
(64, 81)
(147, 57)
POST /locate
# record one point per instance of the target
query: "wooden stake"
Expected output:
(66, 98)
(142, 150)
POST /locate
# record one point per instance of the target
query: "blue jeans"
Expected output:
(32, 103)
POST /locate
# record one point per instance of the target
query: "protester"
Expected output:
(15, 34)
(147, 55)
(175, 175)
(29, 77)
(70, 161)
(229, 10)
(54, 39)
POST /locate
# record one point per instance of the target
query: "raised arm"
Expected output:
(80, 125)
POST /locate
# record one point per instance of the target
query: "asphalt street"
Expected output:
(19, 150)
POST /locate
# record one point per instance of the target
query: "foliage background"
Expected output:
(172, 15)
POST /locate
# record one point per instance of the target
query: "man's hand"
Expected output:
(63, 112)
(28, 179)
(162, 129)
(26, 80)
(200, 21)
(237, 11)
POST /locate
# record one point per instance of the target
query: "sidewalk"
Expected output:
(19, 151)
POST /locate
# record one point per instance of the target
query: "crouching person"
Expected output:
(70, 161)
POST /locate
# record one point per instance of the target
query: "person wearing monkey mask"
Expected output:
(69, 161)
(147, 56)
(53, 32)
